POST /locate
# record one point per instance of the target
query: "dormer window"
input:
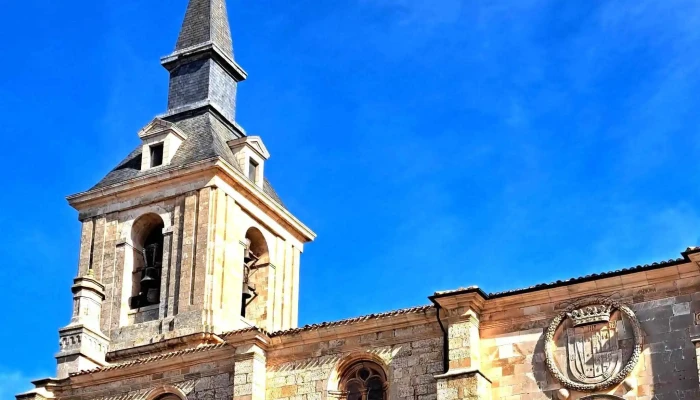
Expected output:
(252, 170)
(250, 154)
(157, 155)
(160, 141)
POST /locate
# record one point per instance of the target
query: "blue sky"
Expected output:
(431, 144)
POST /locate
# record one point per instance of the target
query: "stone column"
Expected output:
(463, 340)
(82, 344)
(464, 385)
(696, 342)
(460, 317)
(249, 373)
(167, 275)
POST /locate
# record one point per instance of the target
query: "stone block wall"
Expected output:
(463, 339)
(512, 340)
(464, 386)
(202, 271)
(412, 356)
(258, 308)
(211, 380)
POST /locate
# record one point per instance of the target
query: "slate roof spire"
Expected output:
(202, 69)
(206, 21)
(202, 96)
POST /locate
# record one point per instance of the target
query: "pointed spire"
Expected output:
(206, 21)
(203, 73)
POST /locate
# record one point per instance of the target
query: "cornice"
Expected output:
(178, 175)
(203, 50)
(352, 327)
(157, 179)
(238, 179)
(173, 344)
(156, 364)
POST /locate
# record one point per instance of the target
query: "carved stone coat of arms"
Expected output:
(593, 345)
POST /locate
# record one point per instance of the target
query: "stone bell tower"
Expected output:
(186, 236)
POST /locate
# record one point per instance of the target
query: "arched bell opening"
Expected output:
(147, 246)
(256, 260)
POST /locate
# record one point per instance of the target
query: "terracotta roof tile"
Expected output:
(411, 310)
(147, 360)
(245, 330)
(571, 281)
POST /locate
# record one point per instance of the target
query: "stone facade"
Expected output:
(502, 356)
(188, 279)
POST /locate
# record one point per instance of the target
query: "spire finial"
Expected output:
(206, 21)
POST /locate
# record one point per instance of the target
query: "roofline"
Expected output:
(571, 281)
(353, 320)
(471, 289)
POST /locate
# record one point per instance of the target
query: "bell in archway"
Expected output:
(149, 277)
(153, 296)
(248, 292)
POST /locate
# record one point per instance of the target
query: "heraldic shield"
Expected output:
(593, 352)
(593, 345)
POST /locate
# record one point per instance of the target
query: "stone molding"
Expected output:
(462, 372)
(137, 368)
(215, 171)
(472, 298)
(208, 48)
(79, 339)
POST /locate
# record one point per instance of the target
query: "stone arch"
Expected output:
(130, 217)
(166, 392)
(258, 244)
(142, 226)
(256, 278)
(146, 256)
(347, 362)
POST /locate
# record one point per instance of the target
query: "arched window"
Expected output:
(364, 380)
(255, 260)
(147, 238)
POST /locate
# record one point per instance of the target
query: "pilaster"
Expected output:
(696, 342)
(463, 384)
(460, 320)
(169, 273)
(250, 374)
(463, 340)
(82, 344)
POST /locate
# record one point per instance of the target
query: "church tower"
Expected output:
(185, 237)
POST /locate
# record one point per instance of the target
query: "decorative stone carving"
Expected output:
(590, 315)
(600, 346)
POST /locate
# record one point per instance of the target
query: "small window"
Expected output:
(252, 170)
(156, 155)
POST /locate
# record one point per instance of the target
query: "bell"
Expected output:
(247, 293)
(246, 252)
(149, 276)
(153, 296)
